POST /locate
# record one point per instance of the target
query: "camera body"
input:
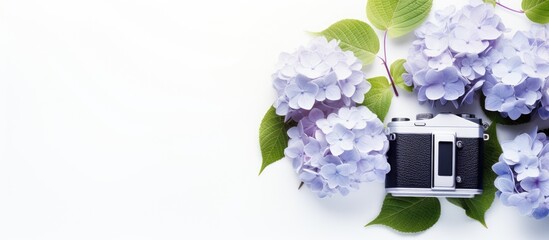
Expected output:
(436, 156)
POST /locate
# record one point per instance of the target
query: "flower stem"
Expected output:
(384, 61)
(385, 46)
(508, 8)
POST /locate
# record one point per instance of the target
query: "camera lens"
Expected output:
(423, 116)
(399, 119)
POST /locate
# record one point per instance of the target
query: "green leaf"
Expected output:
(397, 69)
(497, 118)
(378, 99)
(476, 207)
(536, 10)
(408, 214)
(398, 17)
(493, 2)
(356, 36)
(272, 138)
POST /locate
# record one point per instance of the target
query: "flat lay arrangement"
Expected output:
(327, 118)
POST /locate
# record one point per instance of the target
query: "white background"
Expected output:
(124, 119)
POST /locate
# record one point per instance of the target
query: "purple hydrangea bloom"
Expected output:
(523, 174)
(320, 76)
(473, 66)
(334, 154)
(466, 41)
(447, 62)
(341, 139)
(500, 96)
(544, 102)
(521, 65)
(302, 93)
(437, 85)
(338, 175)
(537, 63)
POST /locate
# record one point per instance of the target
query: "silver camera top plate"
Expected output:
(442, 122)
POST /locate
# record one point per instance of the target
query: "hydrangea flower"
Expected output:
(537, 63)
(448, 61)
(333, 154)
(517, 74)
(320, 76)
(523, 174)
(544, 102)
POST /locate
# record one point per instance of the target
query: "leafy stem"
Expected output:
(384, 61)
(508, 8)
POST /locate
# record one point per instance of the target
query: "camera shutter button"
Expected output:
(424, 116)
(467, 115)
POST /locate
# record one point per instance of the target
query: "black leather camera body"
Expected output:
(436, 156)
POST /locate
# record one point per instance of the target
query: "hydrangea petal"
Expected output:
(346, 169)
(309, 59)
(434, 92)
(488, 32)
(342, 71)
(333, 93)
(306, 101)
(453, 90)
(512, 78)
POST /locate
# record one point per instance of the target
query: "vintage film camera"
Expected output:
(436, 156)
